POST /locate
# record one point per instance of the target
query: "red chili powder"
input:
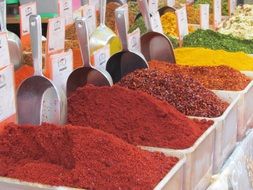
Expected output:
(136, 117)
(22, 73)
(79, 157)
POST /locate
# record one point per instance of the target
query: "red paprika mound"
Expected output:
(133, 116)
(79, 157)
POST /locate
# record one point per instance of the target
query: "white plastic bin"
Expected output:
(199, 160)
(172, 181)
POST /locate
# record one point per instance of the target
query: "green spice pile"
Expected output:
(214, 40)
(184, 93)
(224, 4)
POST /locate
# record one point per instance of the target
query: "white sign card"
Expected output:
(232, 6)
(204, 16)
(4, 50)
(56, 34)
(153, 5)
(156, 22)
(66, 10)
(89, 12)
(134, 40)
(101, 56)
(171, 3)
(7, 93)
(217, 12)
(26, 10)
(182, 22)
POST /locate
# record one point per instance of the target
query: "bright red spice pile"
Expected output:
(79, 157)
(136, 117)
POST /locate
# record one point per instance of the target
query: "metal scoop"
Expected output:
(126, 61)
(38, 99)
(13, 40)
(86, 74)
(154, 45)
(104, 35)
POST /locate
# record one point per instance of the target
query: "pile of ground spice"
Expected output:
(22, 73)
(133, 116)
(184, 93)
(79, 157)
(212, 77)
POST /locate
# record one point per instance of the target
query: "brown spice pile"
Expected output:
(70, 32)
(184, 93)
(212, 77)
(79, 157)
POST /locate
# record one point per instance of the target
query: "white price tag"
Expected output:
(4, 51)
(153, 5)
(66, 11)
(171, 3)
(189, 1)
(232, 6)
(7, 93)
(56, 34)
(26, 11)
(89, 12)
(62, 66)
(156, 22)
(204, 16)
(95, 3)
(101, 56)
(182, 22)
(134, 40)
(216, 12)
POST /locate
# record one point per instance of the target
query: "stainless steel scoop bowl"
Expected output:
(86, 74)
(38, 99)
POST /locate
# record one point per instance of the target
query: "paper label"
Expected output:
(232, 6)
(95, 3)
(66, 11)
(56, 34)
(26, 11)
(182, 22)
(189, 1)
(101, 56)
(4, 51)
(7, 93)
(217, 12)
(204, 16)
(171, 3)
(134, 40)
(89, 12)
(62, 66)
(156, 22)
(153, 5)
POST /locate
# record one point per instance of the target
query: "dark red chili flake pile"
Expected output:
(79, 157)
(184, 93)
(212, 77)
(133, 116)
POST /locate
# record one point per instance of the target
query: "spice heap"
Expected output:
(22, 73)
(215, 40)
(79, 157)
(148, 122)
(212, 77)
(240, 25)
(207, 57)
(70, 32)
(185, 94)
(224, 4)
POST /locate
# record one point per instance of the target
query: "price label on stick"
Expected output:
(204, 16)
(89, 12)
(133, 40)
(182, 23)
(66, 11)
(216, 13)
(101, 56)
(4, 50)
(153, 5)
(232, 6)
(156, 22)
(7, 93)
(62, 66)
(26, 11)
(56, 34)
(171, 3)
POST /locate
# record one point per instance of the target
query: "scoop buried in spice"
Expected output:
(38, 99)
(126, 61)
(86, 74)
(154, 45)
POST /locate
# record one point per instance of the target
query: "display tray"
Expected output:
(173, 180)
(199, 160)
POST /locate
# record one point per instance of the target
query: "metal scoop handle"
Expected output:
(3, 15)
(36, 35)
(102, 10)
(143, 5)
(83, 39)
(121, 22)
